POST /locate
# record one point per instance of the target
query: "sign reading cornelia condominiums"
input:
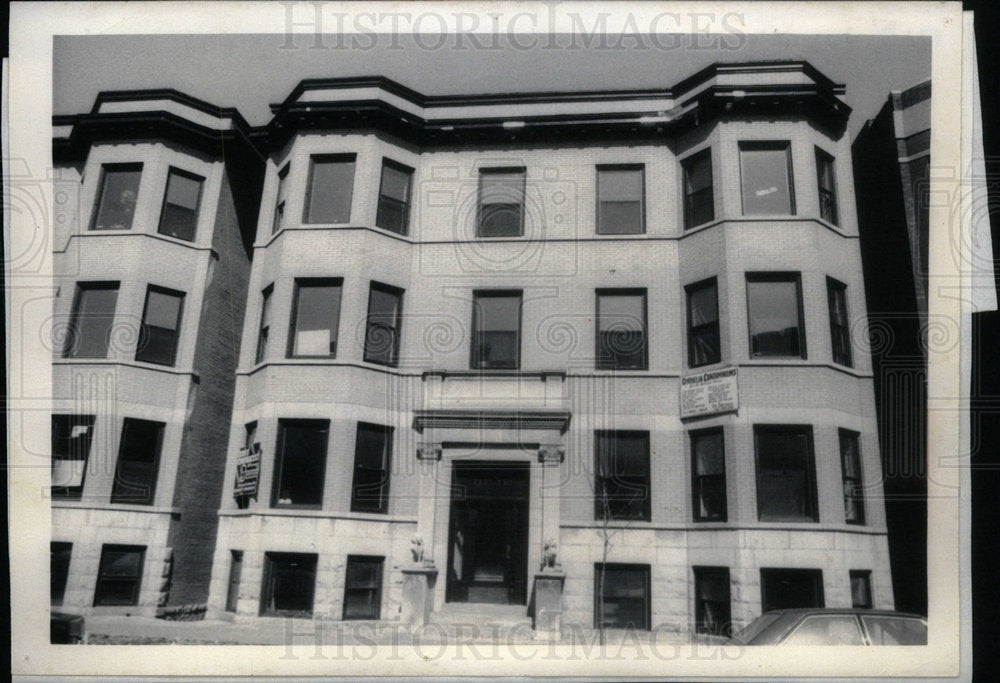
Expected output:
(247, 471)
(708, 393)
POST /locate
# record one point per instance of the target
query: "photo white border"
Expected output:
(32, 28)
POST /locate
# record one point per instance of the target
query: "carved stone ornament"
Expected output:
(551, 454)
(428, 451)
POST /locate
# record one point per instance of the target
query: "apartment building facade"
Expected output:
(614, 338)
(150, 268)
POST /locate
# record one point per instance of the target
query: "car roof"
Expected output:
(843, 610)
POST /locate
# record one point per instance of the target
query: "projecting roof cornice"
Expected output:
(374, 103)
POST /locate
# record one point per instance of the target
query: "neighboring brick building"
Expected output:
(496, 322)
(891, 171)
(150, 276)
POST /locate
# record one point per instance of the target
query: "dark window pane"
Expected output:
(767, 188)
(496, 330)
(279, 206)
(119, 575)
(301, 462)
(363, 588)
(850, 458)
(160, 327)
(699, 199)
(180, 206)
(372, 457)
(621, 330)
(791, 588)
(501, 203)
(89, 333)
(709, 476)
(382, 333)
(138, 462)
(840, 335)
(331, 184)
(265, 324)
(786, 486)
(619, 201)
(71, 437)
(289, 584)
(117, 197)
(621, 596)
(704, 346)
(774, 306)
(622, 472)
(394, 199)
(712, 601)
(316, 318)
(827, 187)
(59, 557)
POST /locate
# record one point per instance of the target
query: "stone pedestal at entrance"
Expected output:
(418, 591)
(548, 604)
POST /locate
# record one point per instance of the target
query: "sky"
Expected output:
(249, 72)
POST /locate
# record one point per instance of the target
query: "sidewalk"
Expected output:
(118, 630)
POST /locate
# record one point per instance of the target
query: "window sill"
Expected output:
(139, 365)
(318, 514)
(114, 507)
(137, 233)
(332, 226)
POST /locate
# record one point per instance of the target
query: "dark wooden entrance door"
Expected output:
(488, 532)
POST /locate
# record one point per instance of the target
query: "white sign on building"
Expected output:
(708, 393)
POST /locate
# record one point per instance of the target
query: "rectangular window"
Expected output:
(372, 458)
(850, 459)
(138, 462)
(621, 596)
(622, 469)
(235, 573)
(827, 186)
(394, 197)
(786, 474)
(89, 333)
(703, 340)
(699, 197)
(766, 173)
(774, 312)
(315, 318)
(708, 474)
(59, 557)
(161, 326)
(265, 324)
(621, 329)
(620, 195)
(840, 333)
(117, 196)
(119, 575)
(71, 437)
(861, 589)
(289, 584)
(279, 206)
(790, 588)
(496, 329)
(385, 309)
(712, 601)
(331, 185)
(300, 465)
(179, 216)
(501, 202)
(363, 587)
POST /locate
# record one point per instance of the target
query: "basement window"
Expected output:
(712, 601)
(119, 575)
(363, 587)
(289, 584)
(790, 588)
(622, 596)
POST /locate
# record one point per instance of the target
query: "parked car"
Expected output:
(832, 626)
(66, 628)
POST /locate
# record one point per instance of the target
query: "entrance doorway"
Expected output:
(488, 532)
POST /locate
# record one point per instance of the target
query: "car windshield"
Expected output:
(755, 627)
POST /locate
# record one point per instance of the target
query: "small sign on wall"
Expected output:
(247, 472)
(708, 393)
